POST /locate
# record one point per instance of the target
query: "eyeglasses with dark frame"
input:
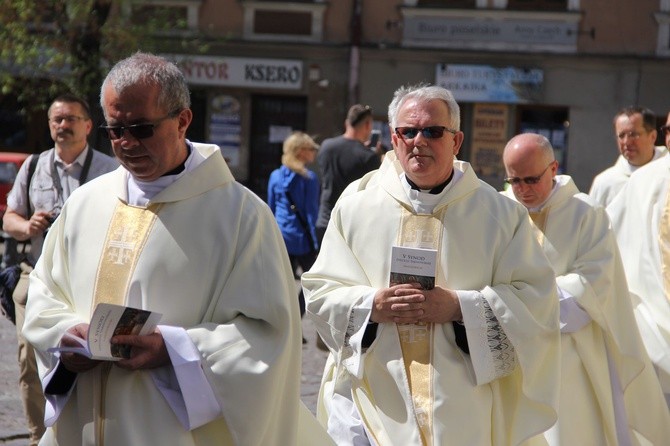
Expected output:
(665, 129)
(528, 180)
(431, 132)
(139, 131)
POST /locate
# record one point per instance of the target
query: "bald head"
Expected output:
(528, 145)
(530, 165)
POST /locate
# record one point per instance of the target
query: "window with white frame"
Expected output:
(296, 21)
(164, 15)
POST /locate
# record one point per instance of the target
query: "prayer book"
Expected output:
(109, 320)
(410, 265)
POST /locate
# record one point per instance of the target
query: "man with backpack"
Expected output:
(41, 187)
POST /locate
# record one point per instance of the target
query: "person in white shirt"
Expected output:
(640, 217)
(473, 360)
(635, 132)
(609, 391)
(170, 231)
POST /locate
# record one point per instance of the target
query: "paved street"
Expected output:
(13, 431)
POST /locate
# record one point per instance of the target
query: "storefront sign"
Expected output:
(482, 83)
(490, 126)
(240, 72)
(452, 32)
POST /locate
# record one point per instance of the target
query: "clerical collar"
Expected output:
(141, 192)
(180, 168)
(434, 191)
(539, 207)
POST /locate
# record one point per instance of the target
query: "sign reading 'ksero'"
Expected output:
(240, 72)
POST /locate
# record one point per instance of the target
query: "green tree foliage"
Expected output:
(51, 46)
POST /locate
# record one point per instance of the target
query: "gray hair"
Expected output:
(425, 93)
(149, 69)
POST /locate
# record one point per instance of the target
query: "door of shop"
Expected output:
(272, 119)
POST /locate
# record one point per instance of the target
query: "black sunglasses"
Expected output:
(432, 132)
(139, 131)
(528, 180)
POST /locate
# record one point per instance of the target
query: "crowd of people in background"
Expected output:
(452, 312)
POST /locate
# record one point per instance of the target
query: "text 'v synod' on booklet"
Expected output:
(109, 320)
(413, 265)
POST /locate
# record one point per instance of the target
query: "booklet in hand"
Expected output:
(416, 265)
(109, 320)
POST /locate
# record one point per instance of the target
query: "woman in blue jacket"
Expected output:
(293, 196)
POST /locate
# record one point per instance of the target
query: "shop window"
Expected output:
(296, 21)
(272, 22)
(538, 5)
(551, 122)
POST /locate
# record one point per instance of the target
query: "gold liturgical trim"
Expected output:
(126, 236)
(416, 340)
(664, 243)
(540, 221)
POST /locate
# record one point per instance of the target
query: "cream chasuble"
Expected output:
(430, 392)
(575, 235)
(232, 300)
(639, 218)
(607, 184)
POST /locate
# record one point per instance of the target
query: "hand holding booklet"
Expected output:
(109, 320)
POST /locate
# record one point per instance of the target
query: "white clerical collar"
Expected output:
(553, 191)
(140, 192)
(423, 201)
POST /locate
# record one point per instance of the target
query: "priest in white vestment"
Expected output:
(635, 132)
(169, 231)
(641, 219)
(610, 394)
(472, 361)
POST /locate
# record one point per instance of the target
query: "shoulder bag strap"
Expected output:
(302, 221)
(31, 171)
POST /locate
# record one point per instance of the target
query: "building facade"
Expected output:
(557, 67)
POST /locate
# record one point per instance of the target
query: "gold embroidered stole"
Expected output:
(126, 236)
(416, 340)
(664, 244)
(540, 221)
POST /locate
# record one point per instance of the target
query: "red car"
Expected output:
(9, 167)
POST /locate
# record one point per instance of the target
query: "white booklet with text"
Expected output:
(410, 265)
(109, 320)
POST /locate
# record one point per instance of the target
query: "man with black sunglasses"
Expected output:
(170, 231)
(465, 354)
(32, 206)
(609, 393)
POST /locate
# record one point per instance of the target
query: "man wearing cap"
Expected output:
(344, 159)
